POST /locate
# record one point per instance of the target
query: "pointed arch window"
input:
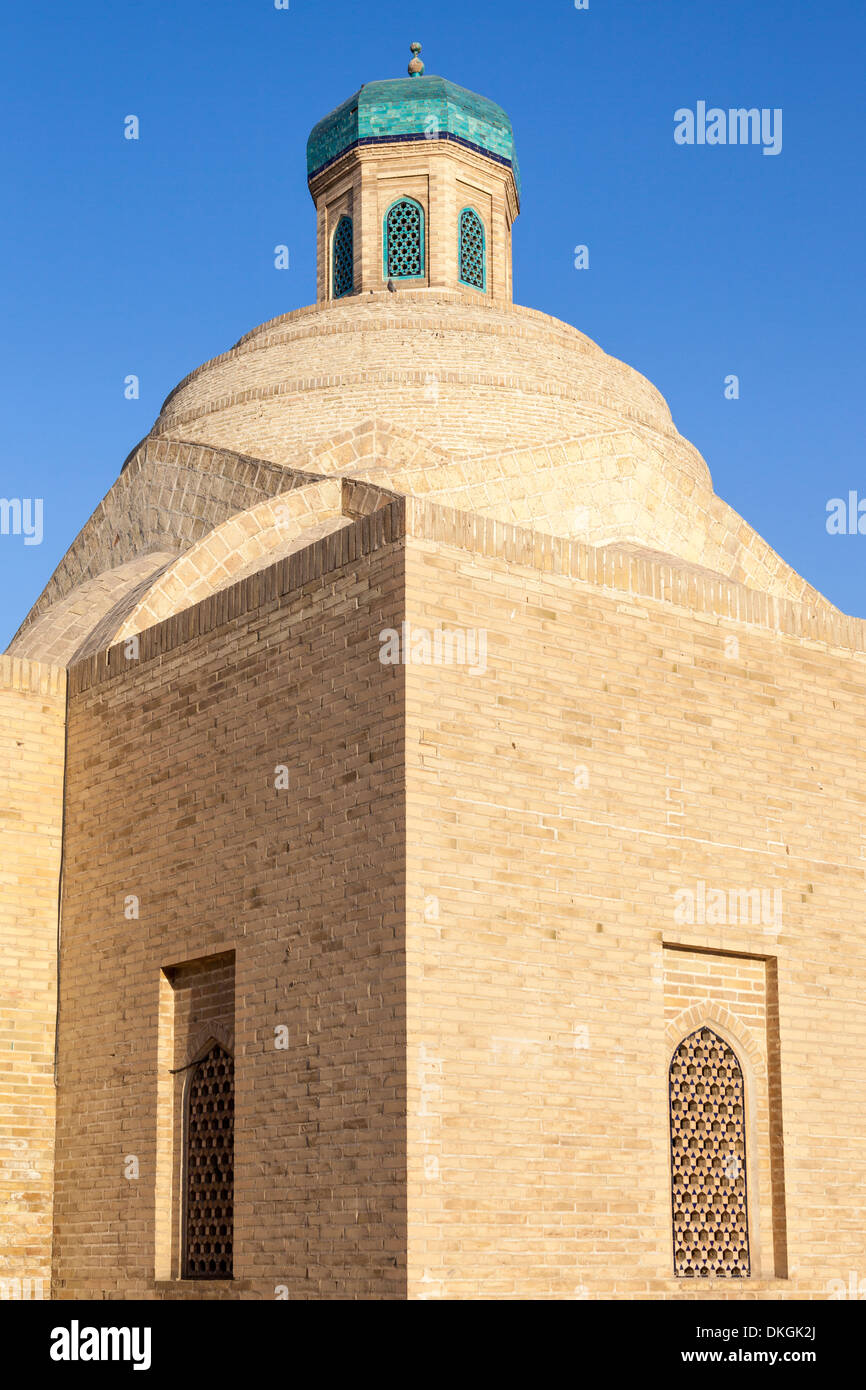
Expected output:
(404, 240)
(472, 250)
(209, 1167)
(708, 1159)
(343, 270)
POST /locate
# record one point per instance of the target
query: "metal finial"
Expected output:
(416, 67)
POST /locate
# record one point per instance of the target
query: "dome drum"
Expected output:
(425, 142)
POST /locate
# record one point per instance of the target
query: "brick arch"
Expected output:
(373, 443)
(606, 488)
(170, 494)
(733, 1031)
(62, 632)
(239, 547)
(203, 1038)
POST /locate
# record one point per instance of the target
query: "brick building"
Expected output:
(433, 853)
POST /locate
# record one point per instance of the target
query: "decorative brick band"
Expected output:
(512, 321)
(36, 677)
(338, 323)
(599, 568)
(639, 576)
(422, 137)
(500, 381)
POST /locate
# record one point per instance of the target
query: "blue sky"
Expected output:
(148, 257)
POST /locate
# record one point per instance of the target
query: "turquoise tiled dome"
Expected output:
(401, 109)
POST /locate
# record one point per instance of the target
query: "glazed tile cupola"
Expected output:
(416, 186)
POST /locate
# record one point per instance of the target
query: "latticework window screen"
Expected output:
(344, 258)
(472, 268)
(209, 1212)
(708, 1159)
(404, 240)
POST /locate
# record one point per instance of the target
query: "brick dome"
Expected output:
(472, 378)
(409, 378)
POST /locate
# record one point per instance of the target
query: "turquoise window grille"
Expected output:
(344, 258)
(404, 240)
(473, 268)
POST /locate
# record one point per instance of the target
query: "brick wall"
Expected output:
(623, 745)
(172, 801)
(168, 496)
(617, 752)
(32, 720)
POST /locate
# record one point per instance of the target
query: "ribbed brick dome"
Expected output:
(472, 378)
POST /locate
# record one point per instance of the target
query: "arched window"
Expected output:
(708, 1159)
(343, 274)
(404, 240)
(209, 1167)
(473, 266)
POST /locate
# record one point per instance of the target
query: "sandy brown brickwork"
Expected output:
(470, 376)
(595, 490)
(240, 546)
(508, 1008)
(643, 574)
(587, 490)
(490, 408)
(444, 178)
(617, 750)
(32, 723)
(172, 798)
(169, 495)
